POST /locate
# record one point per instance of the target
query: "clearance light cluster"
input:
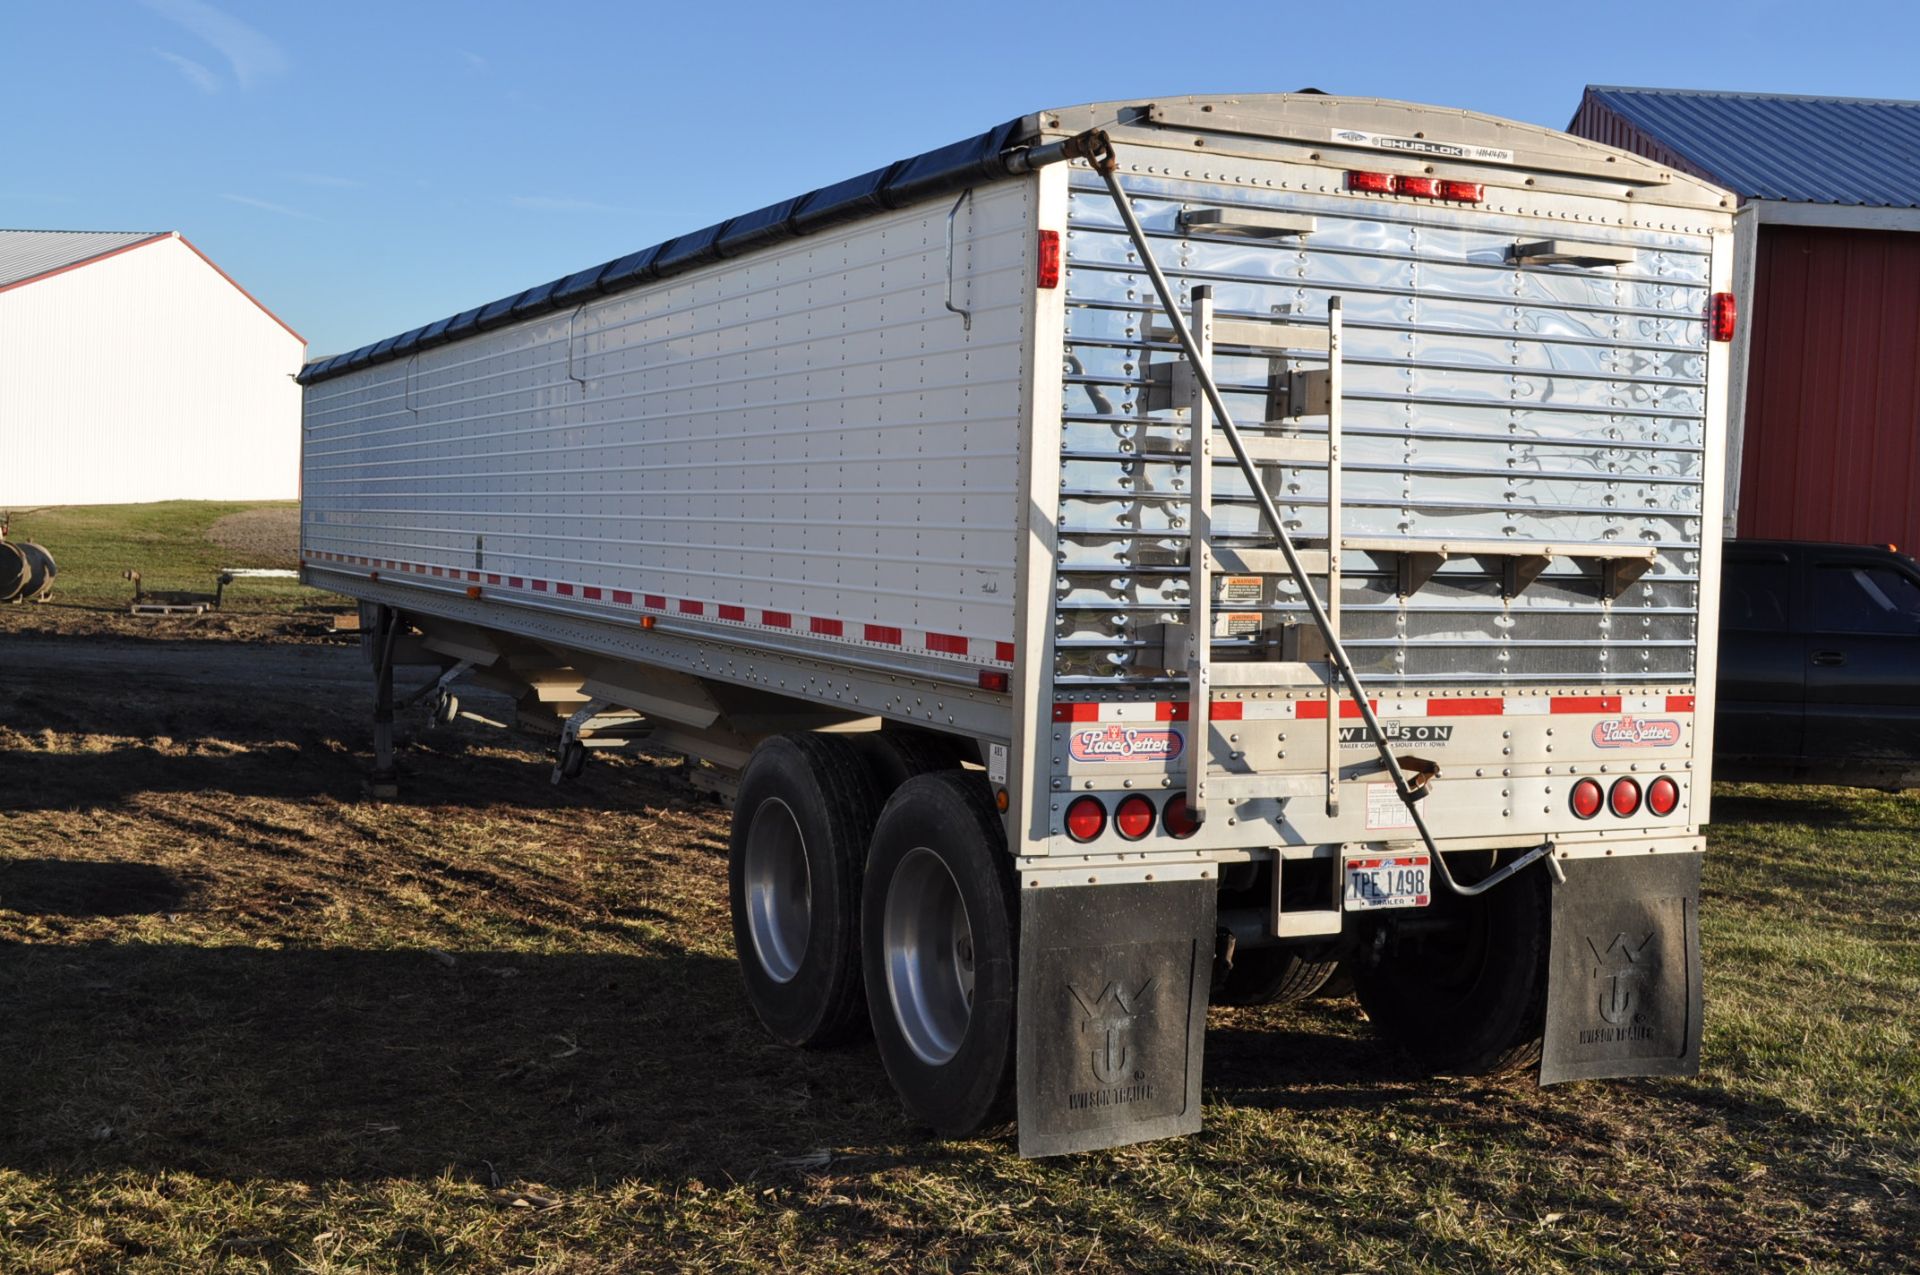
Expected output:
(1623, 799)
(1133, 818)
(1418, 187)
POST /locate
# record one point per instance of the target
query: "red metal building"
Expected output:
(1826, 377)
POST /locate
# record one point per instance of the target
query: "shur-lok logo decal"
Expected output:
(1637, 732)
(1126, 743)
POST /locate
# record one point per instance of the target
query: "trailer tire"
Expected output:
(1271, 976)
(939, 926)
(1470, 1000)
(897, 756)
(801, 822)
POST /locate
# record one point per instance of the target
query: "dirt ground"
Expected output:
(250, 1020)
(268, 536)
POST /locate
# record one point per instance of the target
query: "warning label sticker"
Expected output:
(1385, 809)
(1239, 589)
(1423, 146)
(1240, 623)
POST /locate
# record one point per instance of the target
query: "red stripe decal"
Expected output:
(1465, 707)
(564, 590)
(1315, 710)
(831, 628)
(1003, 651)
(1679, 703)
(590, 593)
(657, 602)
(1225, 710)
(1585, 704)
(690, 607)
(624, 598)
(947, 643)
(1076, 712)
(777, 619)
(883, 633)
(733, 613)
(1170, 711)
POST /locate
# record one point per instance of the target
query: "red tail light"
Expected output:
(1134, 819)
(1463, 192)
(1624, 799)
(1178, 818)
(1425, 187)
(1721, 316)
(1662, 796)
(1586, 799)
(993, 679)
(1048, 273)
(1372, 183)
(1086, 819)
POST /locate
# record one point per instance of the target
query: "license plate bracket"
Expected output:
(1373, 881)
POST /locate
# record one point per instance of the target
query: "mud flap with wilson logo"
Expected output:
(1623, 986)
(1112, 1013)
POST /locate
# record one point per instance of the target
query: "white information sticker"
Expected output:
(997, 763)
(1385, 809)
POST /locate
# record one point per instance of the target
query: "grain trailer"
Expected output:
(1148, 553)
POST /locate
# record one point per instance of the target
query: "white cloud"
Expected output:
(327, 180)
(551, 203)
(268, 206)
(198, 76)
(252, 56)
(476, 62)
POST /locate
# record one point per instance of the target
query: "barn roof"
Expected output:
(29, 254)
(1857, 151)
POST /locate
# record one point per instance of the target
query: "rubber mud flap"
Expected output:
(1623, 983)
(1112, 1013)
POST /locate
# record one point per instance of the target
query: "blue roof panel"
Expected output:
(1863, 152)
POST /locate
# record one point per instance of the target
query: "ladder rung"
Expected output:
(1267, 673)
(1267, 562)
(1258, 335)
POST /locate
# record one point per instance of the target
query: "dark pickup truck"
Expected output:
(1819, 664)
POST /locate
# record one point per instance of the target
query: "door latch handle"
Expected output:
(1829, 659)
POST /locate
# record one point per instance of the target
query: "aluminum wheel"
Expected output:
(929, 956)
(779, 890)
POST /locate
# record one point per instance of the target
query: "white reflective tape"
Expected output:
(1536, 706)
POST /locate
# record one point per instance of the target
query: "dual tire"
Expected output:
(851, 911)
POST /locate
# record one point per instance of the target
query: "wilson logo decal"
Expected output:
(1126, 743)
(1637, 732)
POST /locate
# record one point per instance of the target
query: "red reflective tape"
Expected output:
(1225, 710)
(947, 643)
(690, 607)
(492, 578)
(883, 633)
(1003, 651)
(831, 628)
(778, 619)
(590, 592)
(1076, 712)
(624, 598)
(1585, 704)
(1465, 707)
(516, 582)
(656, 601)
(1171, 711)
(1679, 703)
(474, 576)
(732, 613)
(564, 590)
(1315, 710)
(436, 571)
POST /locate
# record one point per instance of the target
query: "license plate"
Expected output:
(1388, 881)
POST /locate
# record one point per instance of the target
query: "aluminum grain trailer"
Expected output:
(1147, 553)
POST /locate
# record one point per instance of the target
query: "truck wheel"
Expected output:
(801, 823)
(897, 756)
(1467, 996)
(938, 923)
(1271, 976)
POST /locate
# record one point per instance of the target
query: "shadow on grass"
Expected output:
(81, 888)
(246, 1063)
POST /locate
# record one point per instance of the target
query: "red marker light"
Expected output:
(1722, 316)
(993, 679)
(1048, 273)
(1625, 797)
(1372, 183)
(1134, 819)
(1425, 187)
(1586, 799)
(1086, 819)
(1178, 818)
(1662, 796)
(1463, 192)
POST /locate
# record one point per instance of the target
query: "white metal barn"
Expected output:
(133, 369)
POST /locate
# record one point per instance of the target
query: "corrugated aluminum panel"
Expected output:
(804, 443)
(27, 254)
(1484, 401)
(1832, 447)
(1821, 150)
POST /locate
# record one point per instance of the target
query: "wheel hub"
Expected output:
(929, 956)
(779, 890)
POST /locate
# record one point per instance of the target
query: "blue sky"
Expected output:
(365, 167)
